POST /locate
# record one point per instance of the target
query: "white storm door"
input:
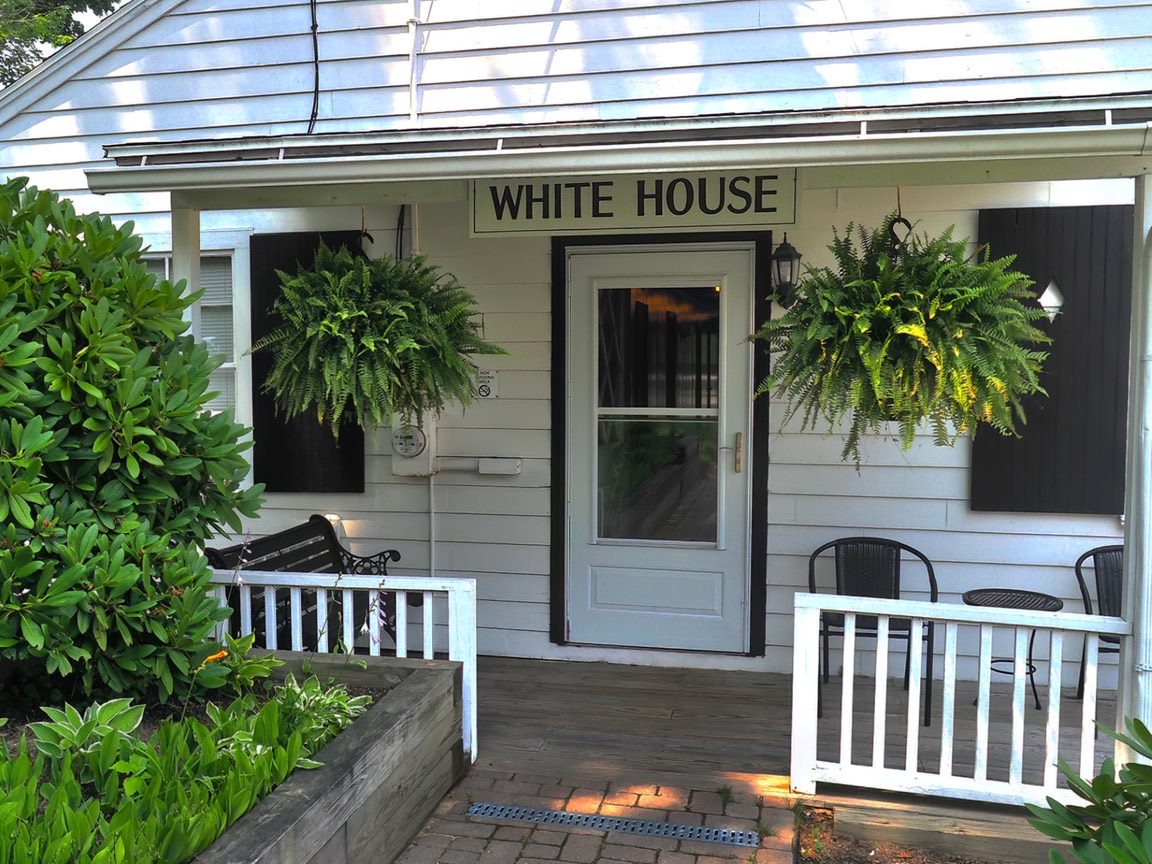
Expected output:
(658, 406)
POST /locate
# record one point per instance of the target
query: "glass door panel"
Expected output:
(659, 348)
(657, 479)
(658, 385)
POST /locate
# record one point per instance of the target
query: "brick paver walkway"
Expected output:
(453, 837)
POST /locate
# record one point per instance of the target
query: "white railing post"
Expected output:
(462, 647)
(805, 672)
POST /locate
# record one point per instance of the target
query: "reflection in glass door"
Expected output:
(657, 412)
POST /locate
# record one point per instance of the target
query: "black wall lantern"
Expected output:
(785, 272)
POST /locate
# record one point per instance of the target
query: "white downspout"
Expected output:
(413, 52)
(1135, 696)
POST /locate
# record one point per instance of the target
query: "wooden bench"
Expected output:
(312, 547)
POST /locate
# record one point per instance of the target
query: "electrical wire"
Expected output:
(315, 69)
(400, 232)
(364, 235)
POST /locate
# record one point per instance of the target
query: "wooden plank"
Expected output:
(946, 546)
(951, 828)
(421, 715)
(382, 827)
(493, 528)
(1052, 728)
(708, 88)
(872, 481)
(499, 413)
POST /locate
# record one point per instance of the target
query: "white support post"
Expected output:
(462, 647)
(805, 698)
(186, 257)
(1135, 684)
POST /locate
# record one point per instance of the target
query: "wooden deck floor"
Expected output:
(593, 718)
(725, 729)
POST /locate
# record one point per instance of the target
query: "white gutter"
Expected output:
(734, 126)
(1096, 141)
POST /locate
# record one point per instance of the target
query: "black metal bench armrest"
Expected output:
(368, 565)
(376, 565)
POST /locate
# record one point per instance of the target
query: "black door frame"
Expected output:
(761, 310)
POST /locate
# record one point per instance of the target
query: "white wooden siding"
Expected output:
(497, 527)
(523, 61)
(213, 69)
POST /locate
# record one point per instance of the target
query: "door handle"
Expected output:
(737, 450)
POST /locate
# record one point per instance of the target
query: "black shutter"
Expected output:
(1069, 458)
(299, 455)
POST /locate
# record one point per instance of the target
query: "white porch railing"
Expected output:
(937, 772)
(460, 622)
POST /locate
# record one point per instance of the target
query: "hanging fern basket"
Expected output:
(907, 332)
(368, 339)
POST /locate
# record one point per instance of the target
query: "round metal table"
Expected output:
(1015, 598)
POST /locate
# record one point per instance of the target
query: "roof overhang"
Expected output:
(1100, 140)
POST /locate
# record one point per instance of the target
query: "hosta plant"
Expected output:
(371, 338)
(111, 468)
(96, 792)
(907, 332)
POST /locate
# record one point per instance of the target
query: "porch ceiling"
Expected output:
(850, 148)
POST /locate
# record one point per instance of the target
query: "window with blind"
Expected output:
(216, 327)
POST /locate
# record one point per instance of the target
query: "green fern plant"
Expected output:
(371, 338)
(906, 333)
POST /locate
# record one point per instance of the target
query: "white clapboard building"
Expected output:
(610, 179)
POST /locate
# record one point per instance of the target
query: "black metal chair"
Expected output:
(870, 567)
(1108, 567)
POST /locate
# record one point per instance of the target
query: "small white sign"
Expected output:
(487, 384)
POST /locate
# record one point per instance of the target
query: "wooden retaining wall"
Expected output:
(379, 781)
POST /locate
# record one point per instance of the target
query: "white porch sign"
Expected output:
(634, 202)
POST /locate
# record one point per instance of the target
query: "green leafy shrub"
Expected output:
(111, 469)
(373, 337)
(236, 667)
(911, 332)
(1114, 826)
(117, 798)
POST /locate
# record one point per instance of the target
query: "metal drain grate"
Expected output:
(613, 823)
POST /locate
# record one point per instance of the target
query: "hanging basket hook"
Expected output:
(896, 240)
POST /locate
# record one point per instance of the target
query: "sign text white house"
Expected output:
(634, 202)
